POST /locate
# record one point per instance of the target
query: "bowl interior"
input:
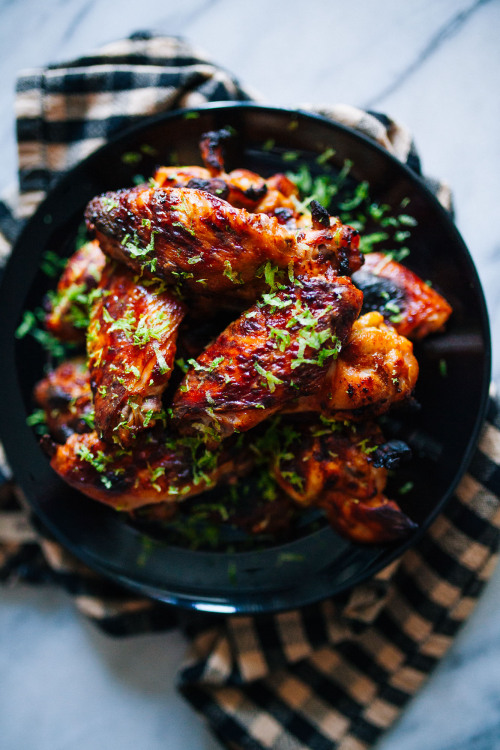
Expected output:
(442, 433)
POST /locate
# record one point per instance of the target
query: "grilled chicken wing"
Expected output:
(375, 369)
(66, 399)
(332, 466)
(68, 308)
(280, 348)
(407, 302)
(131, 348)
(241, 187)
(159, 468)
(194, 238)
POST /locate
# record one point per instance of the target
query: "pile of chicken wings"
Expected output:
(223, 333)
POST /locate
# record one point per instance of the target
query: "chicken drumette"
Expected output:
(68, 307)
(131, 348)
(339, 468)
(375, 370)
(65, 396)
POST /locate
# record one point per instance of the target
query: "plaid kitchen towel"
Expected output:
(331, 675)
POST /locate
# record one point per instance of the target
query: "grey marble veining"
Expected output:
(433, 64)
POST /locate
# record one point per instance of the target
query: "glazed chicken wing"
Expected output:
(131, 348)
(405, 301)
(333, 466)
(158, 468)
(193, 238)
(68, 308)
(241, 187)
(280, 348)
(375, 369)
(65, 396)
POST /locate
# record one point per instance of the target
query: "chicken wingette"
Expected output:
(277, 350)
(157, 468)
(192, 239)
(407, 302)
(131, 348)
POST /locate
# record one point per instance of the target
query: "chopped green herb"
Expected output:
(407, 487)
(272, 380)
(131, 157)
(230, 274)
(147, 149)
(325, 156)
(52, 264)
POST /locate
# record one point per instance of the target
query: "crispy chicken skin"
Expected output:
(407, 302)
(375, 370)
(332, 466)
(191, 237)
(67, 308)
(158, 468)
(131, 347)
(65, 396)
(280, 348)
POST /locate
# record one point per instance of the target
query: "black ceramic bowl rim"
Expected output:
(230, 600)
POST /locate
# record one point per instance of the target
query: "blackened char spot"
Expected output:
(378, 292)
(255, 194)
(320, 216)
(211, 147)
(216, 186)
(48, 445)
(343, 260)
(390, 454)
(283, 214)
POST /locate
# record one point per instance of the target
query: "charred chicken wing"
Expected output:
(375, 370)
(68, 308)
(241, 187)
(409, 304)
(158, 468)
(192, 238)
(65, 396)
(332, 465)
(279, 349)
(131, 348)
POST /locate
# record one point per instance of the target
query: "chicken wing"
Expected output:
(280, 348)
(241, 187)
(195, 239)
(65, 396)
(408, 303)
(331, 465)
(68, 307)
(158, 468)
(131, 348)
(375, 369)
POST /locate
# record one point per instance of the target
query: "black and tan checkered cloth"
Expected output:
(332, 675)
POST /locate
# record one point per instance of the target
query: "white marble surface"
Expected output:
(435, 65)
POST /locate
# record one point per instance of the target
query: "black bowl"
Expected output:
(443, 433)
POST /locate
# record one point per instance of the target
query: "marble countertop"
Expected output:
(434, 65)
